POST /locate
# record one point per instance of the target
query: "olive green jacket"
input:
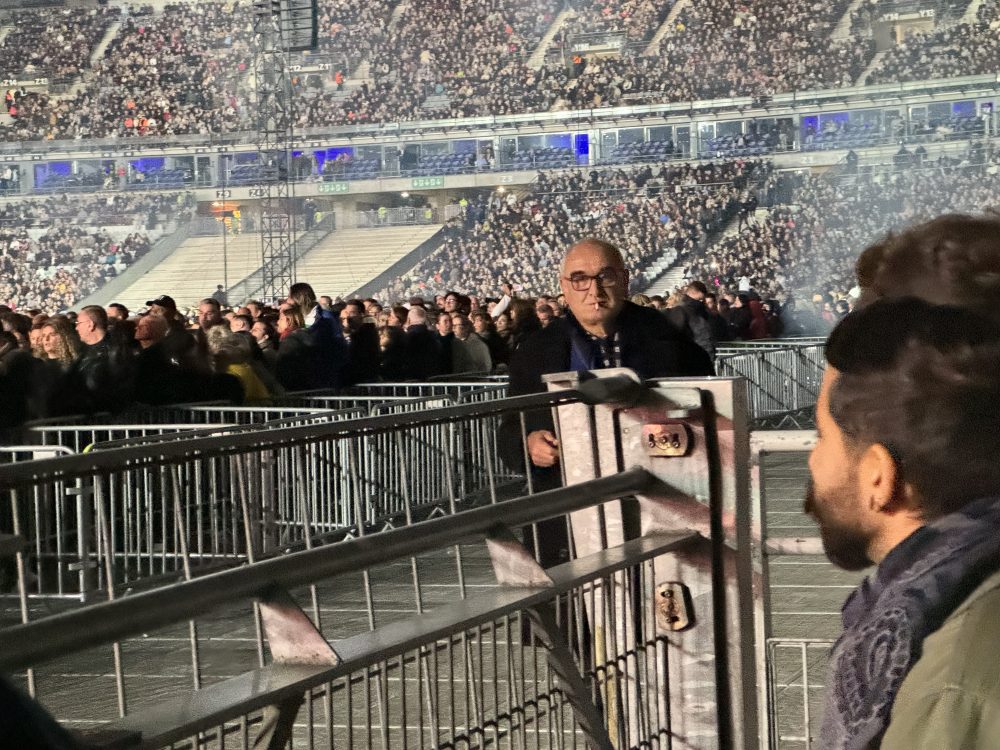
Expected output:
(950, 700)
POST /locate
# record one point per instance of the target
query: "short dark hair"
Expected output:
(98, 315)
(951, 260)
(213, 302)
(698, 286)
(120, 308)
(922, 380)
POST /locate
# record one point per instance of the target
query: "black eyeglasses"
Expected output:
(606, 277)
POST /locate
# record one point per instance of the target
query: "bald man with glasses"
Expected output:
(601, 329)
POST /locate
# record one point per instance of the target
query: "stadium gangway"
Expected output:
(644, 638)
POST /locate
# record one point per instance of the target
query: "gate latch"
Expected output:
(667, 439)
(674, 607)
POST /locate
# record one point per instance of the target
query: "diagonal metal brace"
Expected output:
(561, 661)
(292, 639)
(513, 565)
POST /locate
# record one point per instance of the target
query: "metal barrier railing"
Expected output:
(641, 639)
(783, 379)
(249, 493)
(791, 691)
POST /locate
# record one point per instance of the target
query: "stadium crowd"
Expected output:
(642, 210)
(163, 73)
(351, 32)
(790, 271)
(725, 48)
(106, 359)
(637, 19)
(965, 49)
(52, 43)
(183, 69)
(811, 239)
(56, 251)
(106, 210)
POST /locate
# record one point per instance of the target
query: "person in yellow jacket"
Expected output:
(231, 353)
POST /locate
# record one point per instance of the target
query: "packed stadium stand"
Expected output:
(812, 239)
(643, 210)
(57, 251)
(182, 68)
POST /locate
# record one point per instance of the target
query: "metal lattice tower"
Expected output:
(274, 131)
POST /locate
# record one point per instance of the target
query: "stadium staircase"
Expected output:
(537, 57)
(348, 259)
(671, 269)
(671, 277)
(863, 78)
(970, 13)
(362, 73)
(193, 270)
(668, 23)
(4, 31)
(102, 45)
(843, 28)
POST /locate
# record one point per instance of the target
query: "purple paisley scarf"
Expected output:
(909, 596)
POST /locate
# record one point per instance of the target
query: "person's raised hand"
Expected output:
(543, 448)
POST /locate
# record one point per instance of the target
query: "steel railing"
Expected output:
(503, 653)
(784, 380)
(150, 502)
(794, 669)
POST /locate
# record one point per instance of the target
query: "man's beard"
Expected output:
(845, 545)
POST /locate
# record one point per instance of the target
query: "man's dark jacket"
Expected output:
(691, 318)
(650, 345)
(421, 353)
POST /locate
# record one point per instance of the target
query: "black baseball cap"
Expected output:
(163, 300)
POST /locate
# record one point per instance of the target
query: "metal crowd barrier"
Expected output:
(58, 520)
(643, 638)
(223, 493)
(783, 380)
(794, 668)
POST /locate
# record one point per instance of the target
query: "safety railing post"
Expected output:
(705, 472)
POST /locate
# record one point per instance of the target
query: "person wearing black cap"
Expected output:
(164, 306)
(178, 346)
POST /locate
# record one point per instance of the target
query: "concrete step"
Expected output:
(843, 28)
(970, 13)
(102, 45)
(397, 13)
(665, 27)
(665, 284)
(348, 259)
(863, 78)
(192, 271)
(537, 57)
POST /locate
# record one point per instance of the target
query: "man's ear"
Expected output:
(879, 479)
